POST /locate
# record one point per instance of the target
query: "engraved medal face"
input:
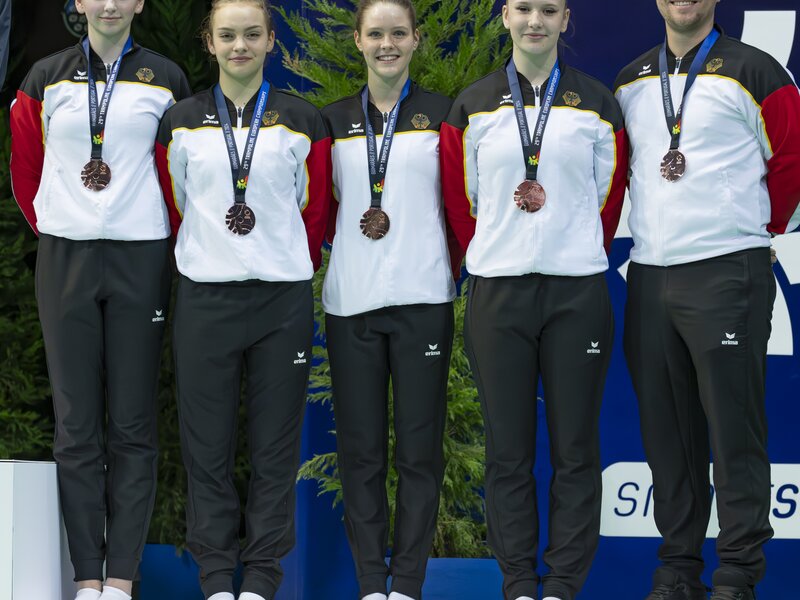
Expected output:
(673, 166)
(96, 175)
(374, 223)
(240, 219)
(530, 196)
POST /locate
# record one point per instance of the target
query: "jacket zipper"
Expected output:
(104, 205)
(678, 61)
(239, 112)
(536, 92)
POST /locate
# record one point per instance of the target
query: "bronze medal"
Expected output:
(375, 223)
(530, 196)
(96, 175)
(240, 219)
(673, 165)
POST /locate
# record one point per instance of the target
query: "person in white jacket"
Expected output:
(83, 127)
(388, 296)
(715, 172)
(245, 170)
(534, 165)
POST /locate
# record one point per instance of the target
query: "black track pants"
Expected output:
(696, 343)
(267, 328)
(102, 305)
(412, 345)
(517, 328)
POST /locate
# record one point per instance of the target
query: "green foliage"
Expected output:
(172, 27)
(26, 428)
(458, 36)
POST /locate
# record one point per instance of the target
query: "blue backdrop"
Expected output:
(607, 36)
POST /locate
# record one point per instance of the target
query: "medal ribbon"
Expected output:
(99, 110)
(674, 119)
(240, 171)
(532, 148)
(377, 166)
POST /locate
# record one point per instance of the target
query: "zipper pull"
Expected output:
(536, 92)
(385, 118)
(678, 62)
(239, 112)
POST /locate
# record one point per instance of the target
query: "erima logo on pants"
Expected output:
(594, 348)
(159, 316)
(300, 360)
(729, 340)
(433, 350)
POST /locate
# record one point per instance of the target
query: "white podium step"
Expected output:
(34, 559)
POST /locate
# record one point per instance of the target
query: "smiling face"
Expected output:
(387, 39)
(109, 18)
(536, 25)
(240, 39)
(687, 16)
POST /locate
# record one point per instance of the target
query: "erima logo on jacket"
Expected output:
(646, 70)
(506, 100)
(355, 128)
(211, 120)
(594, 348)
(433, 350)
(159, 316)
(301, 358)
(80, 75)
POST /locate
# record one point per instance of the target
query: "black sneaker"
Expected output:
(680, 591)
(727, 592)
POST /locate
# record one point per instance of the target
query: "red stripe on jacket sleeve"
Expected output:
(320, 182)
(781, 113)
(27, 153)
(165, 179)
(612, 209)
(458, 208)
